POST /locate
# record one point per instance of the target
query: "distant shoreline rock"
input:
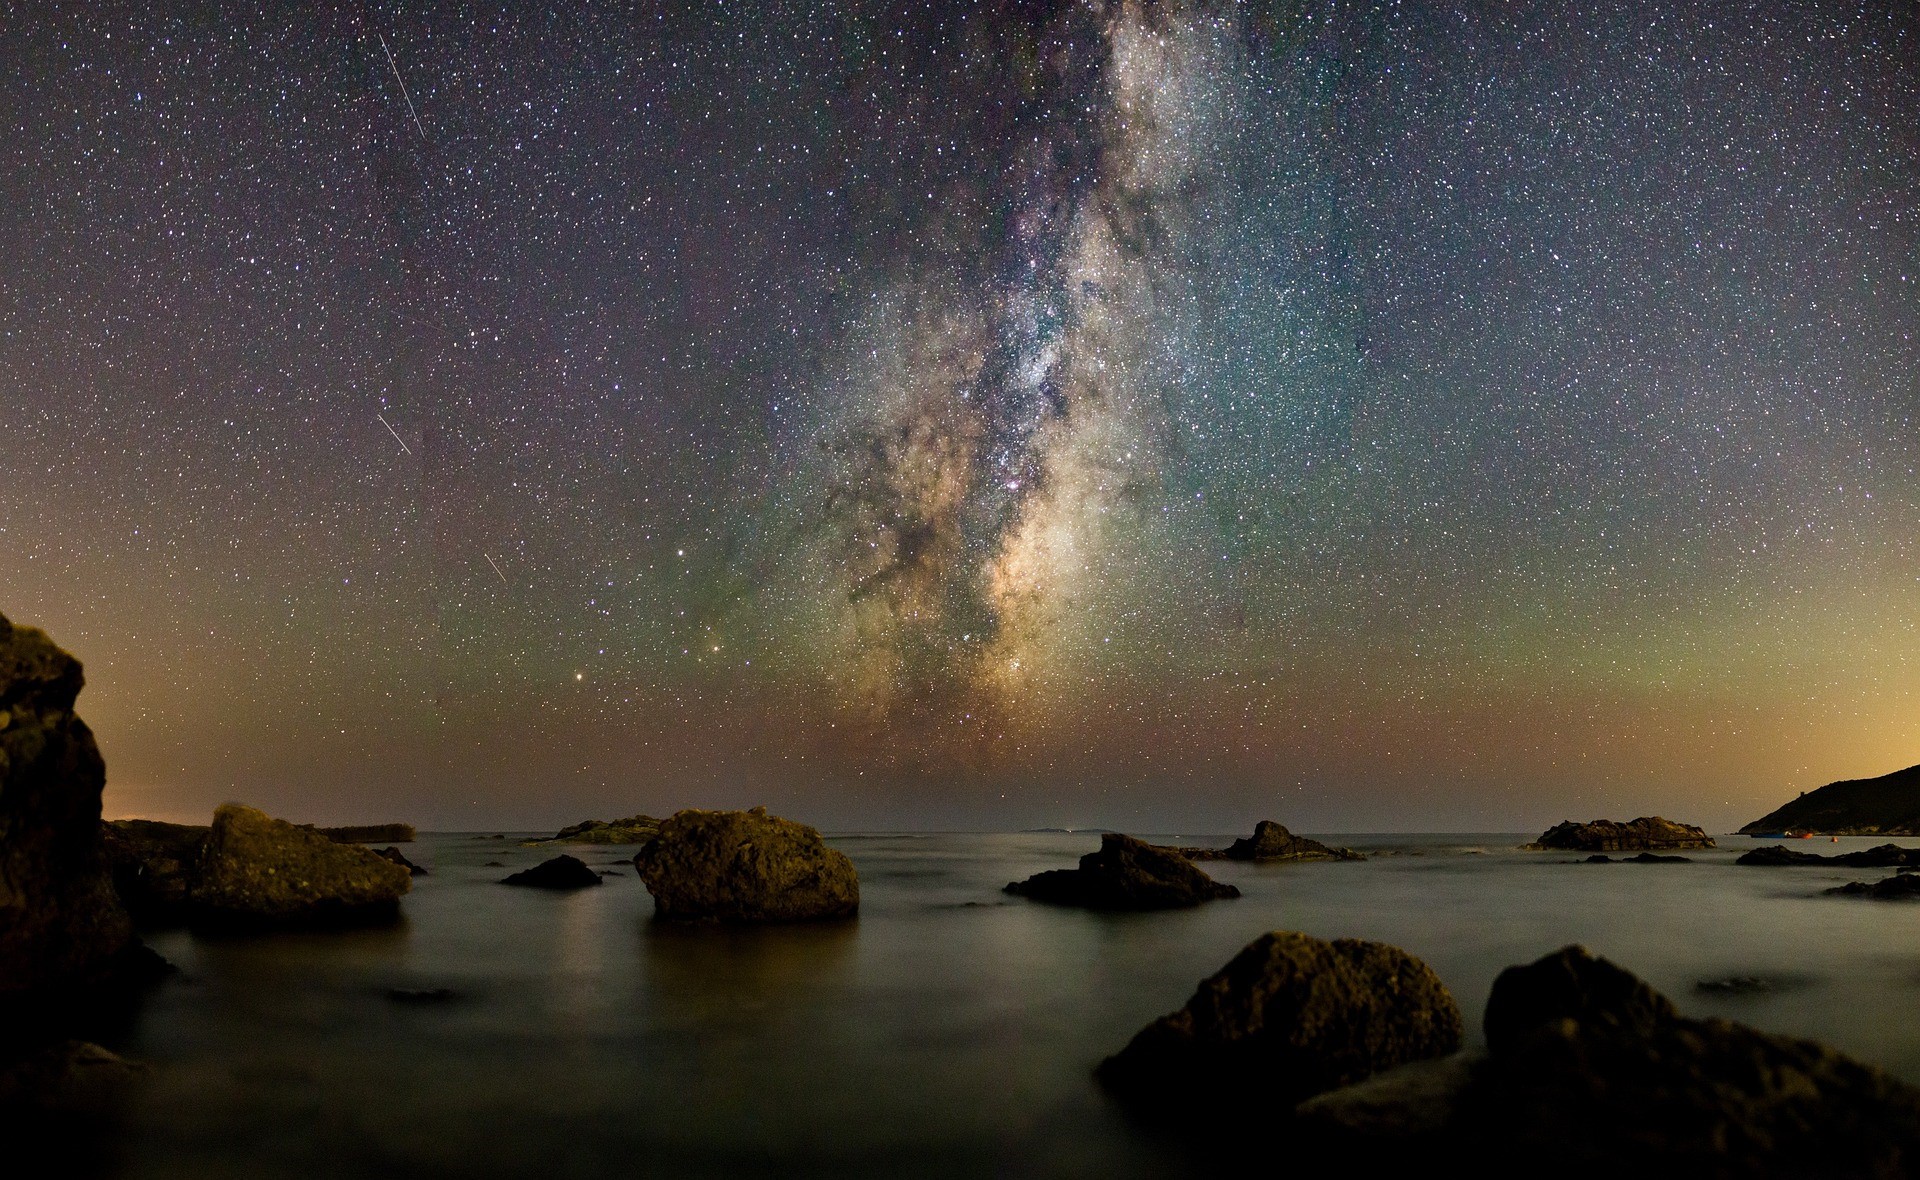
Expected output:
(1125, 874)
(1884, 856)
(635, 829)
(1884, 806)
(1645, 858)
(1270, 843)
(1648, 833)
(370, 834)
(745, 867)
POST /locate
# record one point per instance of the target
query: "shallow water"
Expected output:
(950, 1030)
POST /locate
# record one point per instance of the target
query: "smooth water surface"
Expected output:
(950, 1030)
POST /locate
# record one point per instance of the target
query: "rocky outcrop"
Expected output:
(1648, 833)
(1904, 887)
(154, 865)
(1645, 858)
(400, 858)
(1289, 1017)
(1884, 856)
(1270, 842)
(62, 924)
(635, 829)
(745, 866)
(562, 872)
(1884, 806)
(370, 834)
(1589, 1067)
(1125, 874)
(257, 871)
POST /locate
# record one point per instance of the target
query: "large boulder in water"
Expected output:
(562, 872)
(1289, 1017)
(1270, 843)
(1125, 874)
(1648, 833)
(61, 922)
(1592, 1069)
(745, 866)
(255, 870)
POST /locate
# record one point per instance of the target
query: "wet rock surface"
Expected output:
(562, 872)
(1270, 842)
(258, 871)
(1648, 833)
(62, 924)
(1289, 1017)
(1125, 874)
(745, 866)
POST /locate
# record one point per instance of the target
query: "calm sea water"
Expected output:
(951, 1030)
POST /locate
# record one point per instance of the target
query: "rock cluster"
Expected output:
(1648, 833)
(1590, 1067)
(1289, 1017)
(635, 829)
(1883, 856)
(1271, 842)
(745, 866)
(62, 924)
(1125, 874)
(562, 872)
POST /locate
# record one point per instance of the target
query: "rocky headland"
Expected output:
(1125, 874)
(1649, 833)
(1270, 843)
(743, 867)
(1884, 806)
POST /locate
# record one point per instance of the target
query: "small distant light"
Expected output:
(579, 676)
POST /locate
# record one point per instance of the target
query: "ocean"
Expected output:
(950, 1030)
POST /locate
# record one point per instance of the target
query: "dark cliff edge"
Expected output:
(1884, 806)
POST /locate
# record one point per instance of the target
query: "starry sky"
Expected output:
(1368, 415)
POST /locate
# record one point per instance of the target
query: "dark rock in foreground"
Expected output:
(153, 866)
(1883, 856)
(562, 872)
(635, 829)
(1590, 1068)
(62, 924)
(1645, 858)
(1903, 887)
(1604, 835)
(1270, 842)
(257, 871)
(1125, 874)
(400, 858)
(1289, 1017)
(1884, 806)
(371, 834)
(745, 866)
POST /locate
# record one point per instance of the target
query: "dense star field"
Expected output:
(1165, 415)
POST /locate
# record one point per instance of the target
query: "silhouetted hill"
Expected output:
(1884, 806)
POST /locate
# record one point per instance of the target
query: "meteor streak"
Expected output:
(395, 67)
(394, 433)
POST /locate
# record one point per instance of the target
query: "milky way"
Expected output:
(1173, 414)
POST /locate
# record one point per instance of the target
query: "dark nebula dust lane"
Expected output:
(1018, 413)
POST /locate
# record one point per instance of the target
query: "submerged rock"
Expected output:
(400, 858)
(1270, 842)
(422, 995)
(1592, 1069)
(370, 834)
(1901, 887)
(1883, 856)
(1736, 985)
(255, 870)
(1605, 835)
(1125, 874)
(745, 866)
(635, 829)
(1289, 1017)
(1645, 858)
(562, 872)
(62, 924)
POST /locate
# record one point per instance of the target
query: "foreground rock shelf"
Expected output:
(1125, 874)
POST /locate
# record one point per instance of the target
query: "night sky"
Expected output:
(1365, 415)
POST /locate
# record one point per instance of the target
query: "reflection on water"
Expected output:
(950, 1030)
